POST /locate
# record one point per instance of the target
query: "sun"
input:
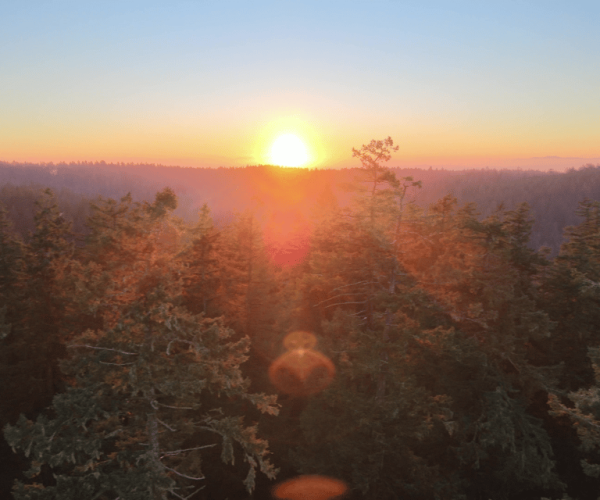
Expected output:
(288, 150)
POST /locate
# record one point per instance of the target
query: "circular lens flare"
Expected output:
(310, 488)
(288, 150)
(299, 340)
(301, 371)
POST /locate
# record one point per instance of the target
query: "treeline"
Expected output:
(552, 197)
(139, 352)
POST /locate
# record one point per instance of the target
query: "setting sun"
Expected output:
(288, 150)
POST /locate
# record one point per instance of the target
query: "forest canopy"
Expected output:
(451, 356)
(552, 197)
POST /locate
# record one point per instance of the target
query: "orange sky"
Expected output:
(202, 84)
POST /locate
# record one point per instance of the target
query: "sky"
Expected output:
(499, 84)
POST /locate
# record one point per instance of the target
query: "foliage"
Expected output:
(138, 409)
(432, 321)
(584, 413)
(570, 293)
(450, 335)
(30, 277)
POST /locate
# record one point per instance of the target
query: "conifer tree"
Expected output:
(430, 319)
(482, 276)
(14, 348)
(220, 268)
(139, 413)
(248, 291)
(571, 295)
(31, 276)
(11, 260)
(363, 306)
(584, 414)
(202, 278)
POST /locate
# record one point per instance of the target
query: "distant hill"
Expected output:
(553, 197)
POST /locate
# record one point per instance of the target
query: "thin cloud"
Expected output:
(563, 158)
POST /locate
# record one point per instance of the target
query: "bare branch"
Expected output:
(115, 364)
(511, 362)
(175, 407)
(165, 425)
(337, 296)
(178, 452)
(344, 303)
(206, 428)
(183, 475)
(104, 349)
(189, 496)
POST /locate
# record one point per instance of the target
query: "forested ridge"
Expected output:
(137, 335)
(552, 197)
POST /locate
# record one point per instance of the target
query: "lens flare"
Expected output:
(310, 488)
(299, 340)
(301, 371)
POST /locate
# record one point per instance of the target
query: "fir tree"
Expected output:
(571, 295)
(430, 319)
(32, 308)
(141, 408)
(14, 348)
(584, 415)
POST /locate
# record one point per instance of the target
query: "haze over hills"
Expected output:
(293, 192)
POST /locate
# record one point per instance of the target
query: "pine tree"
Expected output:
(248, 291)
(33, 307)
(431, 321)
(13, 350)
(363, 306)
(202, 277)
(571, 295)
(140, 411)
(584, 415)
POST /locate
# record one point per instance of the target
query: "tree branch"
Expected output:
(189, 496)
(175, 407)
(165, 425)
(177, 452)
(104, 349)
(344, 303)
(183, 475)
(337, 296)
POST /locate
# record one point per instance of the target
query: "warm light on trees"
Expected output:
(139, 412)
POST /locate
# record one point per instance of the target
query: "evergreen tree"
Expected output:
(432, 322)
(571, 295)
(32, 309)
(583, 411)
(14, 349)
(363, 306)
(248, 295)
(140, 410)
(482, 276)
(202, 279)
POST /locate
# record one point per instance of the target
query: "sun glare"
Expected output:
(288, 150)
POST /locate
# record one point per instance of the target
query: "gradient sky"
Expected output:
(211, 83)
